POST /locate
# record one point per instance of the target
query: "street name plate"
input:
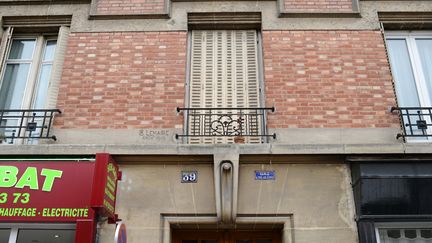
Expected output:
(265, 175)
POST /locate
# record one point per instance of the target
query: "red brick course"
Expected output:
(121, 7)
(328, 79)
(331, 79)
(123, 80)
(318, 5)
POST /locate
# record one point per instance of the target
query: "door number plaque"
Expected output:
(189, 176)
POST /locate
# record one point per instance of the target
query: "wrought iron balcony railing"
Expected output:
(26, 124)
(219, 123)
(416, 121)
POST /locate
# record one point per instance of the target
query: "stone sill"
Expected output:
(183, 149)
(21, 2)
(129, 16)
(312, 14)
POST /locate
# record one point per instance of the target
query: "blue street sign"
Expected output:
(265, 175)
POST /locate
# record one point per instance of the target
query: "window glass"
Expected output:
(427, 234)
(4, 235)
(406, 88)
(424, 47)
(49, 50)
(414, 235)
(22, 49)
(46, 236)
(264, 241)
(13, 86)
(410, 234)
(393, 234)
(42, 89)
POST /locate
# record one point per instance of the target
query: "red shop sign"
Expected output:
(105, 185)
(51, 191)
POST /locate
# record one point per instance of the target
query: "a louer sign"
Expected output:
(59, 191)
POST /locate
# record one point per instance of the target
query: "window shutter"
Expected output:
(224, 74)
(57, 68)
(4, 49)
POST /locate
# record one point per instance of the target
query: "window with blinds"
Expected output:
(407, 235)
(224, 75)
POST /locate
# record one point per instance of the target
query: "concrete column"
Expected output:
(226, 173)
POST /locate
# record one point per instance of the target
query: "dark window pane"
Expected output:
(209, 241)
(4, 235)
(13, 86)
(264, 241)
(22, 49)
(426, 233)
(411, 234)
(46, 236)
(393, 234)
(244, 241)
(189, 241)
(49, 50)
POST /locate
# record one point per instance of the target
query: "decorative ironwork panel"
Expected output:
(416, 121)
(26, 124)
(226, 122)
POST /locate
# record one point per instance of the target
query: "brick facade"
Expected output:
(123, 80)
(328, 79)
(133, 7)
(318, 5)
(315, 79)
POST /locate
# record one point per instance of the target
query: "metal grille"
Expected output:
(416, 121)
(226, 122)
(26, 124)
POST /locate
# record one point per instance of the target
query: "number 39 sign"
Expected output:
(189, 176)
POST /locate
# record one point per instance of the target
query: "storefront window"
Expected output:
(46, 236)
(37, 233)
(401, 235)
(4, 235)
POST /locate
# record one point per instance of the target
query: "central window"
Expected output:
(224, 86)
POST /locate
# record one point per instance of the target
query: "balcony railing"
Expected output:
(416, 121)
(26, 124)
(224, 125)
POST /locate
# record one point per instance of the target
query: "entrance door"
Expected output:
(226, 236)
(37, 233)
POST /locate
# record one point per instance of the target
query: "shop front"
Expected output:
(393, 200)
(58, 200)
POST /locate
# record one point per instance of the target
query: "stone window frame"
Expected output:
(57, 27)
(19, 2)
(284, 13)
(34, 26)
(35, 63)
(166, 14)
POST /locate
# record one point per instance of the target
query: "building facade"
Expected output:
(293, 121)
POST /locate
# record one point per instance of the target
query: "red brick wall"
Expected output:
(318, 5)
(108, 7)
(123, 80)
(328, 79)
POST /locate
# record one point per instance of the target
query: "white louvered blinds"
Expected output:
(224, 74)
(408, 235)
